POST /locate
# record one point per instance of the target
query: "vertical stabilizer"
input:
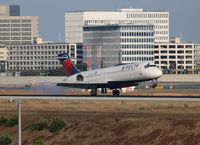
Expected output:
(69, 67)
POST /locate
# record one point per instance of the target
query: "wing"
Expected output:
(90, 85)
(85, 85)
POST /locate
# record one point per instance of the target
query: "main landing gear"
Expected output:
(115, 92)
(103, 91)
(93, 92)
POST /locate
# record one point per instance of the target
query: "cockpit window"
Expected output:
(149, 65)
(146, 66)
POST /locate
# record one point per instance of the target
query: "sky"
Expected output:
(184, 14)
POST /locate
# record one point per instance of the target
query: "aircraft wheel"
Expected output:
(116, 92)
(93, 92)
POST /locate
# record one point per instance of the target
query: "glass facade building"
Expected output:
(109, 45)
(137, 43)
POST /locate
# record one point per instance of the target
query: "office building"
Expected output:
(177, 57)
(74, 22)
(18, 29)
(109, 45)
(9, 10)
(3, 58)
(40, 56)
(197, 58)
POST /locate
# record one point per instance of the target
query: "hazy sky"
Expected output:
(184, 14)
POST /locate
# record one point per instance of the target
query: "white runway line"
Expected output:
(102, 98)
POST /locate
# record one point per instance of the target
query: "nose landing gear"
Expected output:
(154, 84)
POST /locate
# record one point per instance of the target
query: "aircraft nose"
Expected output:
(153, 73)
(157, 73)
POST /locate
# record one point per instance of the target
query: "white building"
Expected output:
(3, 58)
(18, 29)
(40, 56)
(116, 44)
(3, 53)
(177, 57)
(74, 22)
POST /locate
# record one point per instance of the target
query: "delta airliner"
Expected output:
(114, 78)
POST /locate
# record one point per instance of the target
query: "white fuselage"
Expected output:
(130, 72)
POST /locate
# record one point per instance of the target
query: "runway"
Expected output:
(96, 98)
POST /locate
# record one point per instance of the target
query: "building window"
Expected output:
(163, 57)
(172, 51)
(172, 46)
(163, 51)
(163, 62)
(172, 57)
(188, 51)
(188, 46)
(156, 52)
(155, 46)
(180, 51)
(188, 62)
(180, 46)
(163, 46)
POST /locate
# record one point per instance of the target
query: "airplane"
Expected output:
(114, 78)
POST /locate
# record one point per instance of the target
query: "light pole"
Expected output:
(18, 103)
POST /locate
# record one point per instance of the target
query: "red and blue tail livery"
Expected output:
(69, 67)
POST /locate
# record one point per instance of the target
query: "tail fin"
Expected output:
(68, 65)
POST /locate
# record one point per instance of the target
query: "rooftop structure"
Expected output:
(9, 10)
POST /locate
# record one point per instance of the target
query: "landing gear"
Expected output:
(93, 92)
(154, 85)
(103, 90)
(116, 92)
